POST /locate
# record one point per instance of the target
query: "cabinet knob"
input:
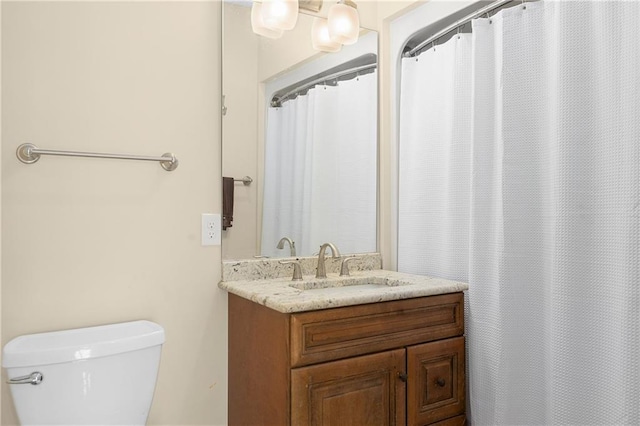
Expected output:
(440, 382)
(403, 377)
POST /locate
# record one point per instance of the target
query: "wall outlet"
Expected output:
(211, 229)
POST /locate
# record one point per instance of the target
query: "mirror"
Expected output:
(300, 126)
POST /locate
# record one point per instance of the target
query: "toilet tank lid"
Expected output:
(81, 343)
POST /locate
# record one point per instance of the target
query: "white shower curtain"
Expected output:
(320, 169)
(435, 135)
(553, 320)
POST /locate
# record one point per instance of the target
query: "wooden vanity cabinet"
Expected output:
(363, 390)
(387, 363)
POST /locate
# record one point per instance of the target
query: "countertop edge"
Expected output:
(281, 298)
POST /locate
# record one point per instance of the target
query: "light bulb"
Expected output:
(257, 25)
(320, 37)
(280, 14)
(344, 22)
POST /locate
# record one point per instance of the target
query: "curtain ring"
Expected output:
(458, 32)
(524, 6)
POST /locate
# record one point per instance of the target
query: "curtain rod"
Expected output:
(278, 100)
(478, 13)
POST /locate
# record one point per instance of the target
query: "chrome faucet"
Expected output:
(321, 271)
(344, 266)
(292, 245)
(297, 270)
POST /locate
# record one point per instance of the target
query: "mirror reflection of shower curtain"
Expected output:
(553, 201)
(320, 169)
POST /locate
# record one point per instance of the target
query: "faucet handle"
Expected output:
(344, 266)
(297, 271)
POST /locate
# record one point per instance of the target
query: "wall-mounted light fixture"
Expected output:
(344, 22)
(280, 14)
(320, 38)
(257, 23)
(270, 18)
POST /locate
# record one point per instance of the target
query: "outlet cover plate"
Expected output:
(211, 229)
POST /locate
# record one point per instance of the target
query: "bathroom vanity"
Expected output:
(376, 348)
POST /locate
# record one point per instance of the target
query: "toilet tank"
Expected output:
(96, 375)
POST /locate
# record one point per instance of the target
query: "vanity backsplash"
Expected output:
(265, 269)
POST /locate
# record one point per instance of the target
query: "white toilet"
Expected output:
(98, 375)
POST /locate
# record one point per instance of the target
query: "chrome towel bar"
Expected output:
(29, 153)
(245, 180)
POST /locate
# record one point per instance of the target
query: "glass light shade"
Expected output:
(280, 14)
(320, 36)
(257, 25)
(344, 23)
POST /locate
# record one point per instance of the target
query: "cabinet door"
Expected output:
(435, 389)
(366, 390)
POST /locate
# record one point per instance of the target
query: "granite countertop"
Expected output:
(264, 269)
(372, 286)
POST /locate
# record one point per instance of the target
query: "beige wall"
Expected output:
(291, 50)
(1, 389)
(88, 241)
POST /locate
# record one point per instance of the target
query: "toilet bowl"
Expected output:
(96, 375)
